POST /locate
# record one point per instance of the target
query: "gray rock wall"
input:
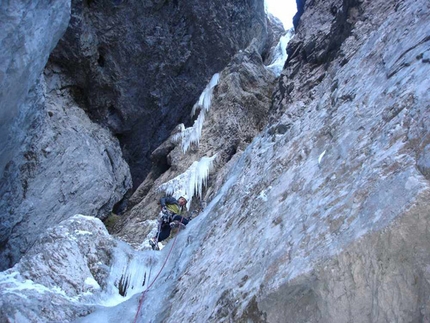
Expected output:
(139, 66)
(29, 32)
(382, 277)
(67, 165)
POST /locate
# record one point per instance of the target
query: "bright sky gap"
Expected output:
(282, 9)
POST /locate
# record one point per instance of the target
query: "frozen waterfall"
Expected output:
(280, 54)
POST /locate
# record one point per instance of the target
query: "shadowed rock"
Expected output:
(143, 64)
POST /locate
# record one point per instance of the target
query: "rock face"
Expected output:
(72, 269)
(115, 64)
(138, 66)
(29, 32)
(68, 164)
(327, 220)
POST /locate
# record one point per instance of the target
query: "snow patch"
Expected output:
(86, 217)
(90, 281)
(82, 232)
(13, 282)
(263, 194)
(321, 157)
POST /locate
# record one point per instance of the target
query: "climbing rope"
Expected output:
(142, 297)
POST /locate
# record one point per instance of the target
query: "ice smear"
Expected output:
(90, 281)
(131, 273)
(280, 54)
(189, 136)
(191, 181)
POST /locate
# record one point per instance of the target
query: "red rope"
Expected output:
(158, 274)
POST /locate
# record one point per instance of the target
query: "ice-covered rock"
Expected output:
(279, 54)
(318, 209)
(328, 218)
(325, 216)
(71, 270)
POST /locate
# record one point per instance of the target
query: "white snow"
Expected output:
(82, 232)
(13, 282)
(191, 181)
(90, 281)
(263, 194)
(191, 136)
(86, 217)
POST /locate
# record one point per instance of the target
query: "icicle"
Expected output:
(190, 182)
(206, 96)
(192, 135)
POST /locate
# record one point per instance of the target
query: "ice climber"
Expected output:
(170, 217)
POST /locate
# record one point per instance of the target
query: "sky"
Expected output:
(284, 10)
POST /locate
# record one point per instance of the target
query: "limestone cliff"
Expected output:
(29, 33)
(325, 216)
(65, 165)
